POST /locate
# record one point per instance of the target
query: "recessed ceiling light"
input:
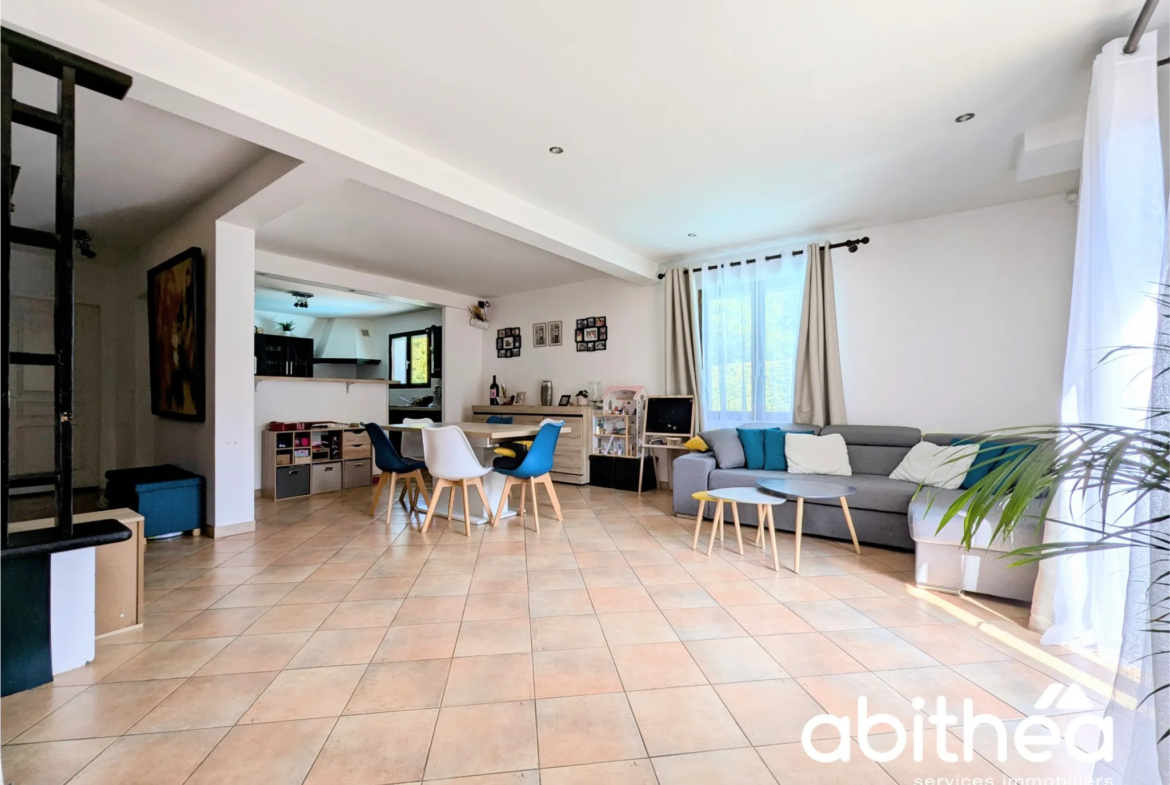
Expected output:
(692, 234)
(965, 117)
(556, 150)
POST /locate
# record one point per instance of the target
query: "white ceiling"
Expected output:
(739, 122)
(138, 168)
(363, 228)
(272, 296)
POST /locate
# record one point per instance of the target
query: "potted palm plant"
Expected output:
(286, 326)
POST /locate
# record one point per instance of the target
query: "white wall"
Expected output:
(634, 353)
(463, 361)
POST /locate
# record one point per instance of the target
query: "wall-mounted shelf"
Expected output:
(318, 380)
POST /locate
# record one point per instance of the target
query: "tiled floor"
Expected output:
(329, 647)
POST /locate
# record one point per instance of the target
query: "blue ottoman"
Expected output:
(169, 498)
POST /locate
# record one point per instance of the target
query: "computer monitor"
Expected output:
(670, 415)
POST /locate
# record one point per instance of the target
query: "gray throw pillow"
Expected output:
(727, 448)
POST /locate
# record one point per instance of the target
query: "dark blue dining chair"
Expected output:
(395, 467)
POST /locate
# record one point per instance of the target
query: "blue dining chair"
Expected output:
(495, 419)
(535, 469)
(394, 467)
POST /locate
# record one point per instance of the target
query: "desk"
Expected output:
(483, 438)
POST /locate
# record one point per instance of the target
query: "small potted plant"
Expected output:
(582, 398)
(286, 327)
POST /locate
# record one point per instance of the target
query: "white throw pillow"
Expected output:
(939, 467)
(808, 454)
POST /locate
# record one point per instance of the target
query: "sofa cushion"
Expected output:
(752, 440)
(874, 492)
(927, 510)
(774, 459)
(728, 449)
(807, 454)
(940, 467)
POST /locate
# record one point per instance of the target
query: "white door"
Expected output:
(31, 424)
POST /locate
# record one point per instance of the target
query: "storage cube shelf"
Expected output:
(317, 460)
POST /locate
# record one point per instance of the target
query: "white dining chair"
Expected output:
(452, 463)
(412, 444)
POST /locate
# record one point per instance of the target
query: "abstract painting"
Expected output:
(174, 294)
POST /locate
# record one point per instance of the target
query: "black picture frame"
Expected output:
(176, 310)
(565, 400)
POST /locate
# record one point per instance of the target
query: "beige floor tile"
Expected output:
(648, 666)
(107, 659)
(276, 754)
(205, 702)
(489, 679)
(343, 571)
(291, 618)
(790, 764)
(22, 710)
(339, 647)
(623, 599)
(659, 574)
(357, 752)
(846, 587)
(734, 659)
(600, 560)
(670, 596)
(168, 660)
(503, 636)
(624, 772)
(569, 672)
(563, 602)
(363, 613)
(891, 612)
(308, 693)
(483, 739)
(289, 573)
(722, 767)
(102, 710)
(482, 607)
(381, 589)
(312, 592)
(553, 633)
(809, 654)
(253, 595)
(879, 649)
(940, 681)
(418, 642)
(838, 695)
(791, 589)
(154, 628)
(1015, 683)
(395, 686)
(555, 580)
(217, 623)
(256, 654)
(492, 583)
(608, 577)
(50, 762)
(754, 706)
(948, 644)
(587, 729)
(684, 719)
(157, 759)
(430, 610)
(440, 586)
(772, 619)
(832, 615)
(692, 624)
(639, 627)
(224, 576)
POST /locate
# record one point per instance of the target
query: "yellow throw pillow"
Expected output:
(504, 451)
(697, 444)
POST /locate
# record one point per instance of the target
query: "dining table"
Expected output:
(483, 437)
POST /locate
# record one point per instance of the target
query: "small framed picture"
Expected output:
(580, 346)
(501, 333)
(590, 334)
(601, 333)
(591, 322)
(591, 346)
(499, 343)
(540, 334)
(599, 321)
(515, 331)
(565, 400)
(520, 398)
(554, 333)
(501, 352)
(508, 342)
(600, 346)
(580, 323)
(580, 335)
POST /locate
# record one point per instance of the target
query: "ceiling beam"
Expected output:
(177, 77)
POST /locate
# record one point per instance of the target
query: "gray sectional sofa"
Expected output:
(889, 513)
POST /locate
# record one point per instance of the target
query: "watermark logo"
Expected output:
(1033, 738)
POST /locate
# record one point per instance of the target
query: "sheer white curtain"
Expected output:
(750, 316)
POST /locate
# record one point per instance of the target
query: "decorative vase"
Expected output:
(546, 393)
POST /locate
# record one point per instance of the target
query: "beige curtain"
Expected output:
(682, 337)
(820, 393)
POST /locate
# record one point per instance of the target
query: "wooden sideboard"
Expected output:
(315, 460)
(571, 459)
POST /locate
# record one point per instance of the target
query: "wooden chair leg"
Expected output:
(508, 483)
(466, 510)
(523, 498)
(377, 492)
(390, 496)
(717, 523)
(735, 517)
(420, 488)
(552, 496)
(431, 508)
(849, 520)
(535, 504)
(698, 525)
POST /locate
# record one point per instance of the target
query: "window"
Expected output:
(410, 358)
(750, 323)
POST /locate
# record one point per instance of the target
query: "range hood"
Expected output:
(346, 342)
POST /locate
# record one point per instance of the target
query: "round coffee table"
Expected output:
(735, 496)
(811, 489)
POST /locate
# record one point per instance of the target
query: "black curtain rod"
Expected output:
(852, 245)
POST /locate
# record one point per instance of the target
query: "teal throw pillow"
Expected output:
(752, 440)
(774, 460)
(984, 462)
